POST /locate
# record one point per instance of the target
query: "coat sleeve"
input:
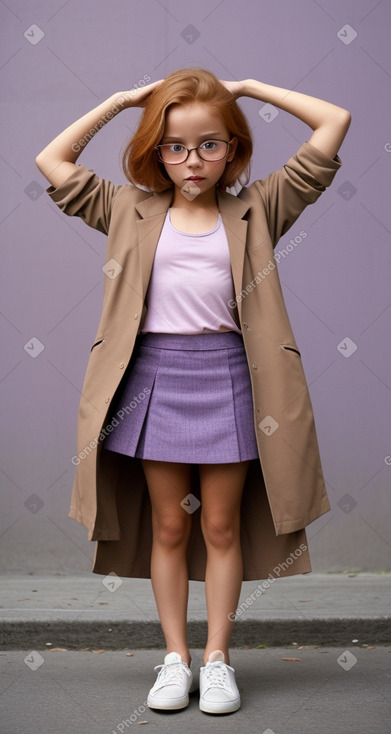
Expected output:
(87, 196)
(300, 182)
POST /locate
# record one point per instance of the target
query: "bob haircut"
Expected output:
(140, 162)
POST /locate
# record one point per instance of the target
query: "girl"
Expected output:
(195, 379)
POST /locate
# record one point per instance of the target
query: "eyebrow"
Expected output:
(204, 135)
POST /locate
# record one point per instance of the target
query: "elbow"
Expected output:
(44, 164)
(39, 161)
(345, 119)
(341, 124)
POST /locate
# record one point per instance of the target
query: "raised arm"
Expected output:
(329, 122)
(57, 161)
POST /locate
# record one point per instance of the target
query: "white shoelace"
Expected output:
(216, 675)
(170, 674)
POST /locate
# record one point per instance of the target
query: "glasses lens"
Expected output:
(209, 150)
(213, 150)
(173, 153)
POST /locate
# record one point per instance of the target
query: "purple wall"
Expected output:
(58, 60)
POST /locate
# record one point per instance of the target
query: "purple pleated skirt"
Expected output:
(185, 398)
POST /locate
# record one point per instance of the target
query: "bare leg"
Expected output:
(221, 493)
(168, 484)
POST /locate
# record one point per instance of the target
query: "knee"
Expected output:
(171, 532)
(220, 532)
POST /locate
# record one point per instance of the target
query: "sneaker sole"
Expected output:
(218, 708)
(169, 706)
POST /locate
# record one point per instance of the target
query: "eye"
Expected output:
(176, 148)
(208, 145)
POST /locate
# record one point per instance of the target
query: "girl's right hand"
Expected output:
(138, 97)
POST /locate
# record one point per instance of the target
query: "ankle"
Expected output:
(185, 656)
(206, 654)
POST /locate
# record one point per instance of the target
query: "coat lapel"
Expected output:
(232, 212)
(153, 211)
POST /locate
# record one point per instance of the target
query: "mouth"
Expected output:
(195, 178)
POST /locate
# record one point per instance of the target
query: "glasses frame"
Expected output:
(189, 150)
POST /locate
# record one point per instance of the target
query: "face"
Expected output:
(191, 125)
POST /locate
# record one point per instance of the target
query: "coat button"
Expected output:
(245, 326)
(107, 400)
(121, 366)
(254, 365)
(136, 316)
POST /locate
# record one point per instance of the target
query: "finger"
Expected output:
(140, 95)
(152, 86)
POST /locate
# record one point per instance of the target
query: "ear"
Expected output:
(233, 146)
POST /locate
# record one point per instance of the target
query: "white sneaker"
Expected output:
(219, 693)
(173, 684)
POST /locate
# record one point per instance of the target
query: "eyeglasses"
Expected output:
(209, 150)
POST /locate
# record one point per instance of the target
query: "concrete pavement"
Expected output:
(328, 690)
(310, 654)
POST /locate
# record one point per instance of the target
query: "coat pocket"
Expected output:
(98, 341)
(291, 348)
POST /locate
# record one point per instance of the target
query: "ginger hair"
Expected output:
(140, 162)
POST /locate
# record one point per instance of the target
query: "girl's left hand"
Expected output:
(236, 88)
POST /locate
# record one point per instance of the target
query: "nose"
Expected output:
(193, 158)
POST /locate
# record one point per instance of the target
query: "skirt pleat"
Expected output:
(185, 398)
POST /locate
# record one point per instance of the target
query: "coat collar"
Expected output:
(153, 210)
(159, 203)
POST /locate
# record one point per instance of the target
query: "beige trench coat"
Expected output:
(284, 489)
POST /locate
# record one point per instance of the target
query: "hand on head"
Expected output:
(234, 87)
(139, 96)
